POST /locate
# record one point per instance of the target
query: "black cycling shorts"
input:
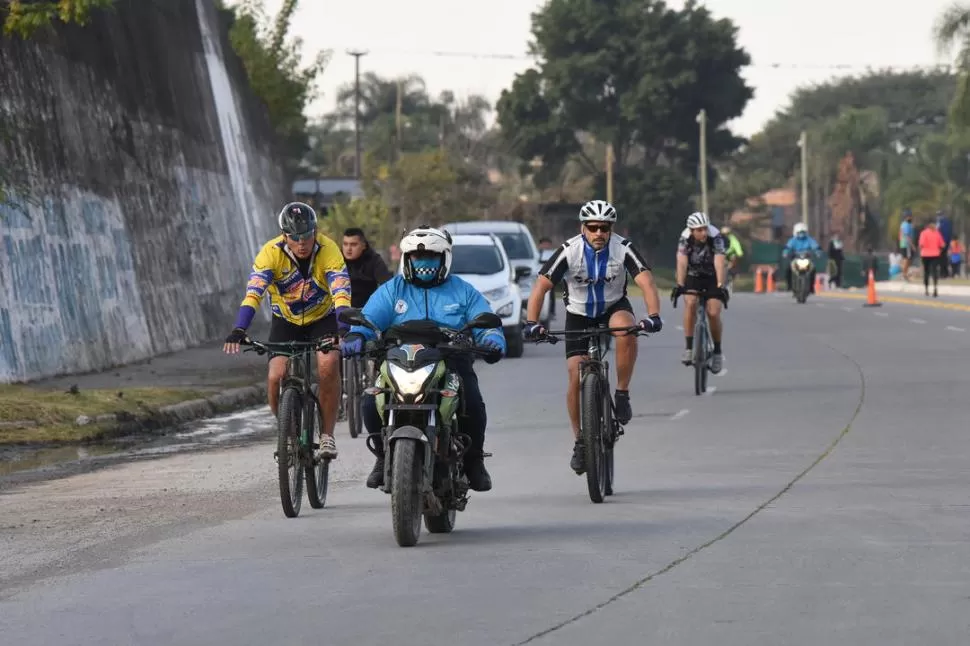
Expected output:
(282, 331)
(576, 346)
(701, 282)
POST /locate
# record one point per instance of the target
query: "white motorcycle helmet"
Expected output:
(597, 211)
(426, 239)
(800, 227)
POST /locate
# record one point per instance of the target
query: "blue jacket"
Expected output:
(451, 304)
(796, 244)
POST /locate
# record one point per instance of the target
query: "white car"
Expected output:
(481, 261)
(520, 248)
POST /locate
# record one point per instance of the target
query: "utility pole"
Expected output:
(609, 172)
(356, 55)
(702, 119)
(803, 144)
(397, 118)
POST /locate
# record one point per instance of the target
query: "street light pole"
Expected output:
(803, 144)
(702, 119)
(356, 55)
(609, 172)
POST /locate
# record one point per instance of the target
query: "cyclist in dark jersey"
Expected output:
(366, 267)
(701, 266)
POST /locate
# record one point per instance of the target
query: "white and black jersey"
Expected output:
(700, 255)
(595, 280)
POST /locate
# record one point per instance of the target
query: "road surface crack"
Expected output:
(730, 530)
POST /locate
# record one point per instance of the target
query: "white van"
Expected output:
(519, 246)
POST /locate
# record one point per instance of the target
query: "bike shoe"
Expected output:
(624, 413)
(477, 474)
(687, 358)
(716, 363)
(376, 477)
(328, 448)
(578, 461)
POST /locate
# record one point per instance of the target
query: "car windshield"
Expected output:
(516, 245)
(476, 259)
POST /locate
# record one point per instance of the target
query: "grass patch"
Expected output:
(29, 415)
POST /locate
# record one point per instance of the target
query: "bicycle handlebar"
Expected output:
(552, 336)
(324, 344)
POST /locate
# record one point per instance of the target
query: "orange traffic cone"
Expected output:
(871, 293)
(819, 284)
(758, 285)
(771, 282)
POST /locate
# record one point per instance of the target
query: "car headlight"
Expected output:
(497, 294)
(410, 383)
(505, 310)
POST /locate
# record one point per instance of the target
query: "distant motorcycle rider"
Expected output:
(428, 291)
(798, 243)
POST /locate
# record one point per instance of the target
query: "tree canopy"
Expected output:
(26, 17)
(633, 74)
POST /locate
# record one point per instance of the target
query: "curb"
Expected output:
(226, 401)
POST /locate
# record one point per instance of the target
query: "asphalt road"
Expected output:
(818, 494)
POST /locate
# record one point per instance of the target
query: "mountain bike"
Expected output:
(299, 423)
(597, 411)
(703, 342)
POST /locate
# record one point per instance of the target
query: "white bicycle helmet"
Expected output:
(697, 220)
(426, 238)
(597, 211)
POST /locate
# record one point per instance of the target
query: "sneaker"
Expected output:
(624, 413)
(328, 448)
(578, 461)
(688, 357)
(716, 363)
(376, 477)
(477, 474)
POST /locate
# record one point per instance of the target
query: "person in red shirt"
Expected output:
(931, 246)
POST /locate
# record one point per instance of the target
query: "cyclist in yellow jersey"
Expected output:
(308, 285)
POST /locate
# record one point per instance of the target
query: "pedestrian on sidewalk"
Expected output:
(906, 246)
(931, 246)
(956, 256)
(836, 258)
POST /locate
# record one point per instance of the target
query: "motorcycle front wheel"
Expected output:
(406, 507)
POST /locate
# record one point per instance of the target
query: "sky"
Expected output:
(791, 43)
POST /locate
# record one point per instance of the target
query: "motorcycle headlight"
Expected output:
(410, 383)
(497, 294)
(802, 263)
(505, 310)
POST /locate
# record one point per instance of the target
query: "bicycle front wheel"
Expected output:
(591, 419)
(609, 440)
(317, 470)
(289, 466)
(700, 359)
(352, 392)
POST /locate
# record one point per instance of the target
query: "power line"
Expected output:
(757, 65)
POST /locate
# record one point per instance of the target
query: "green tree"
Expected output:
(631, 73)
(369, 213)
(273, 64)
(952, 30)
(25, 17)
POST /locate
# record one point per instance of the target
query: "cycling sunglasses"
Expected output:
(596, 228)
(301, 236)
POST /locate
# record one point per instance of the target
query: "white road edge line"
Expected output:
(880, 313)
(920, 321)
(847, 309)
(955, 329)
(679, 414)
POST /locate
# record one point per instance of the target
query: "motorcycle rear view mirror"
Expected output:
(483, 321)
(353, 316)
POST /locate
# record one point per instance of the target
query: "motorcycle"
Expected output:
(801, 271)
(418, 399)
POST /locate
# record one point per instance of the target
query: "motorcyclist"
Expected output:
(700, 267)
(798, 243)
(427, 291)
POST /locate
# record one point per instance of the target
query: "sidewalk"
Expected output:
(916, 287)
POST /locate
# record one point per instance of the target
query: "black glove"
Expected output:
(533, 331)
(238, 335)
(652, 323)
(723, 295)
(675, 294)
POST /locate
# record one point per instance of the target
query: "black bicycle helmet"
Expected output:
(298, 219)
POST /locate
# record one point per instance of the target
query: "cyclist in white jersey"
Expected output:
(594, 265)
